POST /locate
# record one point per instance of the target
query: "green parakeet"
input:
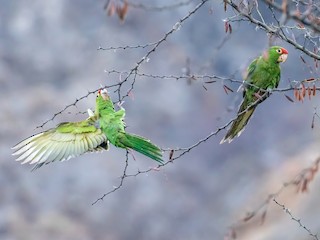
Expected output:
(112, 125)
(262, 74)
(72, 139)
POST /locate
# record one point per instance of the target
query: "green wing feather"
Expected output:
(251, 69)
(67, 140)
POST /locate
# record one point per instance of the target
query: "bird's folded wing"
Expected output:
(250, 70)
(66, 141)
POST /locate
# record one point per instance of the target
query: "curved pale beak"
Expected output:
(104, 94)
(283, 57)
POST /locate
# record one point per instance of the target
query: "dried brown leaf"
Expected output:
(303, 90)
(230, 28)
(296, 94)
(304, 185)
(111, 9)
(248, 217)
(314, 90)
(301, 97)
(289, 98)
(309, 92)
(316, 166)
(284, 6)
(171, 154)
(212, 81)
(226, 27)
(300, 25)
(227, 89)
(312, 123)
(131, 95)
(122, 11)
(309, 80)
(297, 181)
(204, 87)
(233, 234)
(106, 5)
(263, 217)
(313, 170)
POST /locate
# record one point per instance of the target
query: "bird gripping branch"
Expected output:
(72, 139)
(263, 74)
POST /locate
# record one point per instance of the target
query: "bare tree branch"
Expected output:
(293, 218)
(159, 8)
(302, 18)
(271, 30)
(300, 181)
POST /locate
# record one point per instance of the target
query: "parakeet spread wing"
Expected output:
(67, 140)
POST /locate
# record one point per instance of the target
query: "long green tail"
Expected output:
(141, 145)
(238, 125)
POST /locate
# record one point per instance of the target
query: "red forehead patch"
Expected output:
(284, 51)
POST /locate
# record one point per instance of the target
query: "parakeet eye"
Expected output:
(279, 50)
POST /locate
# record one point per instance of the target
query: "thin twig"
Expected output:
(293, 218)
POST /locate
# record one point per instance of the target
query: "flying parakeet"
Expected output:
(71, 139)
(263, 74)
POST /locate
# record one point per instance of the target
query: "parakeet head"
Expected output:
(104, 94)
(276, 54)
(103, 101)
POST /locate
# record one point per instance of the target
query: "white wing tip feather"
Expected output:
(229, 139)
(55, 147)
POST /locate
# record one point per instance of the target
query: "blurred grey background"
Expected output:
(49, 58)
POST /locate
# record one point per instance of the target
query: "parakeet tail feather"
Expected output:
(143, 146)
(239, 124)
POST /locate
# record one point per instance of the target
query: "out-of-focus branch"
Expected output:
(122, 179)
(158, 8)
(314, 25)
(272, 30)
(133, 72)
(300, 181)
(293, 218)
(182, 151)
(207, 79)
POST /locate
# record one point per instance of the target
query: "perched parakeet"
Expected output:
(71, 139)
(263, 74)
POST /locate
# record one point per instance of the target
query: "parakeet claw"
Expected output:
(269, 91)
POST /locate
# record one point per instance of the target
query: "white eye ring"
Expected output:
(279, 50)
